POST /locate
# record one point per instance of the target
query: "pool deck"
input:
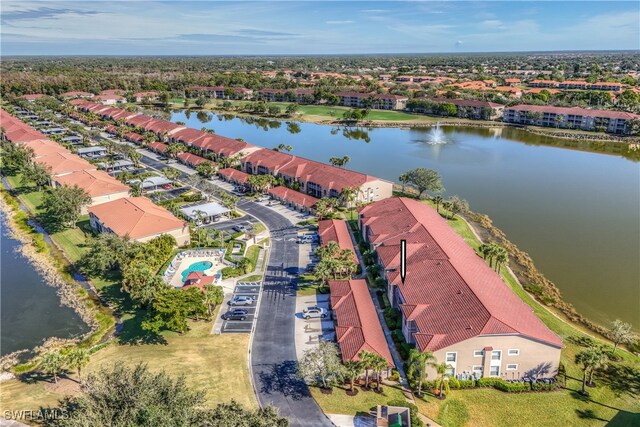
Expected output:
(176, 280)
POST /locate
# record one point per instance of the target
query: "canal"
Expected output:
(30, 309)
(574, 207)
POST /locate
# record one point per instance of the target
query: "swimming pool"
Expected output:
(199, 266)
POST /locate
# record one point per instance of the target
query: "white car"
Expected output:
(314, 312)
(241, 300)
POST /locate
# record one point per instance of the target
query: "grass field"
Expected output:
(213, 364)
(340, 403)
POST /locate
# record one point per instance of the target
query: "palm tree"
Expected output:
(78, 357)
(379, 364)
(348, 195)
(404, 178)
(352, 370)
(367, 359)
(438, 200)
(417, 366)
(52, 363)
(599, 361)
(136, 189)
(442, 379)
(501, 256)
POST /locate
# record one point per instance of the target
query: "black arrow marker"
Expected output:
(403, 260)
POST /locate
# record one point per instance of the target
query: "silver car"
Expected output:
(314, 313)
(241, 300)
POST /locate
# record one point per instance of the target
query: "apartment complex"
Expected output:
(571, 118)
(452, 304)
(301, 96)
(311, 178)
(467, 108)
(379, 101)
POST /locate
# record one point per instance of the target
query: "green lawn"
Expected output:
(339, 402)
(215, 364)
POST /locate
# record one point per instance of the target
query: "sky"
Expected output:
(313, 27)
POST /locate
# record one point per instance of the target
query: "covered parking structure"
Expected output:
(204, 213)
(152, 183)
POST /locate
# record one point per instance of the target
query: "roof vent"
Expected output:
(469, 327)
(459, 292)
(438, 263)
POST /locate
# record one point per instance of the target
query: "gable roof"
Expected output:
(234, 174)
(357, 324)
(136, 217)
(293, 196)
(335, 230)
(456, 295)
(62, 162)
(94, 182)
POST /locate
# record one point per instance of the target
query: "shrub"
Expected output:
(395, 376)
(488, 381)
(195, 197)
(413, 410)
(457, 384)
(545, 387)
(512, 387)
(392, 317)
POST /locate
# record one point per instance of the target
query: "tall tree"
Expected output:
(171, 173)
(64, 204)
(425, 180)
(321, 365)
(52, 362)
(442, 379)
(213, 296)
(36, 173)
(352, 370)
(417, 366)
(620, 333)
(78, 358)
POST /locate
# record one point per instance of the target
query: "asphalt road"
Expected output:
(273, 354)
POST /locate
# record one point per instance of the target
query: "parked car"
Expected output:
(315, 312)
(235, 314)
(313, 307)
(262, 198)
(307, 239)
(241, 300)
(242, 227)
(166, 187)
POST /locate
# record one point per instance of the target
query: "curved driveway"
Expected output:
(273, 353)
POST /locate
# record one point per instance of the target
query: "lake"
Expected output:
(31, 310)
(576, 212)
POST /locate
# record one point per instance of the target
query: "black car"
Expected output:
(236, 314)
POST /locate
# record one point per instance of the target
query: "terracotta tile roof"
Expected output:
(578, 111)
(136, 217)
(161, 126)
(158, 146)
(106, 97)
(15, 130)
(44, 147)
(112, 92)
(192, 159)
(64, 162)
(449, 291)
(79, 102)
(335, 230)
(357, 325)
(132, 136)
(198, 279)
(270, 159)
(293, 196)
(138, 121)
(94, 182)
(234, 175)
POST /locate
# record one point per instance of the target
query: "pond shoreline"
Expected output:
(72, 293)
(443, 121)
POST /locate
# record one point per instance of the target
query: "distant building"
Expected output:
(570, 117)
(100, 186)
(372, 100)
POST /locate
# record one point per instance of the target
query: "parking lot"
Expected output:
(243, 289)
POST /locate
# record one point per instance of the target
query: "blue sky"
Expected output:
(308, 27)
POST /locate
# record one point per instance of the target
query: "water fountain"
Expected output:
(436, 135)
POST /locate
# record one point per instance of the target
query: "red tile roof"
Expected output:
(15, 130)
(234, 175)
(192, 159)
(468, 102)
(357, 325)
(158, 146)
(95, 183)
(136, 217)
(198, 279)
(64, 162)
(449, 291)
(335, 230)
(293, 196)
(31, 96)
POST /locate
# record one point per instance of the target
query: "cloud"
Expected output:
(263, 33)
(458, 43)
(374, 11)
(492, 24)
(42, 12)
(339, 22)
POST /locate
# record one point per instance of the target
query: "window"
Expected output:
(512, 367)
(478, 353)
(514, 352)
(451, 357)
(496, 355)
(477, 370)
(495, 371)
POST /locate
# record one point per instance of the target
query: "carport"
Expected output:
(204, 213)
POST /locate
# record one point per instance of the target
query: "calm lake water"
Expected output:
(577, 213)
(31, 310)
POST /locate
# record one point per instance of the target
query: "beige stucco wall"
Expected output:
(534, 357)
(378, 188)
(181, 235)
